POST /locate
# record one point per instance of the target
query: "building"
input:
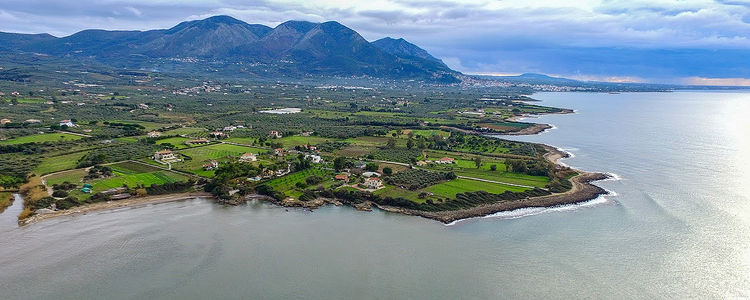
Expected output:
(143, 106)
(278, 152)
(68, 123)
(342, 177)
(165, 155)
(218, 134)
(32, 121)
(371, 174)
(445, 160)
(248, 157)
(275, 134)
(213, 165)
(154, 134)
(421, 163)
(373, 183)
(316, 159)
(4, 121)
(229, 128)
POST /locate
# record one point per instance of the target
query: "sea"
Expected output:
(676, 225)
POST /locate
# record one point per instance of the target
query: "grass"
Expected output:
(41, 138)
(201, 155)
(178, 142)
(72, 176)
(286, 184)
(451, 188)
(186, 131)
(125, 173)
(58, 163)
(6, 199)
(242, 140)
(298, 140)
(32, 192)
(394, 192)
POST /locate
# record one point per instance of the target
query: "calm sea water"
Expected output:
(678, 227)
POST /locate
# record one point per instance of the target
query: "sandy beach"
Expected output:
(132, 202)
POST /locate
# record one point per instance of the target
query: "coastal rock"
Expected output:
(42, 211)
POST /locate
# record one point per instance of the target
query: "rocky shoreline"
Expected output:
(582, 191)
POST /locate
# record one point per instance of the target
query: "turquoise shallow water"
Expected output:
(678, 227)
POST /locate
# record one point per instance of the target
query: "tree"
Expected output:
(387, 171)
(477, 161)
(493, 167)
(372, 167)
(409, 143)
(391, 143)
(339, 163)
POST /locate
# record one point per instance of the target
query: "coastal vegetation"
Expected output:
(410, 147)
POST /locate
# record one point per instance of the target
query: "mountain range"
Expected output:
(296, 47)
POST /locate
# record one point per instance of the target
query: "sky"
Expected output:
(665, 41)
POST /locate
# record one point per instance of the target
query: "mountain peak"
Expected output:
(296, 47)
(402, 48)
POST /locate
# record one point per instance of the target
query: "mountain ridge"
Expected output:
(297, 47)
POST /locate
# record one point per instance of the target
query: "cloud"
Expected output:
(716, 81)
(473, 35)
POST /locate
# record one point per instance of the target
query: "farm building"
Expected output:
(275, 134)
(211, 165)
(373, 183)
(248, 157)
(342, 177)
(68, 123)
(165, 155)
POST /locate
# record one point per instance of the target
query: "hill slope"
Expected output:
(296, 48)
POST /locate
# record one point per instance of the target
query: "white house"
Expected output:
(154, 134)
(316, 159)
(68, 123)
(165, 155)
(248, 157)
(275, 134)
(211, 166)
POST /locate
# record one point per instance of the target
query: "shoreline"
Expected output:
(110, 205)
(537, 128)
(582, 190)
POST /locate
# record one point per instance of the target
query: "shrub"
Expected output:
(59, 194)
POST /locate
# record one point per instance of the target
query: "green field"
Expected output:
(72, 176)
(451, 188)
(41, 138)
(189, 131)
(177, 142)
(220, 152)
(298, 140)
(242, 140)
(58, 163)
(125, 173)
(286, 184)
